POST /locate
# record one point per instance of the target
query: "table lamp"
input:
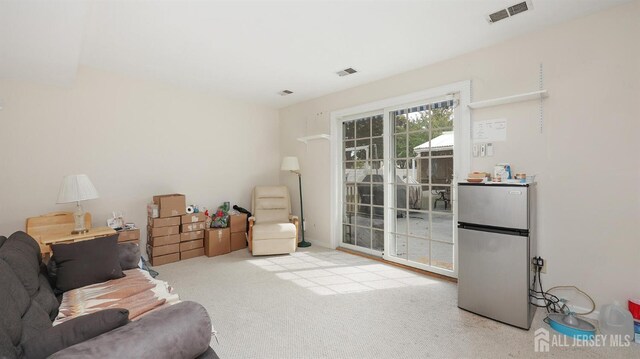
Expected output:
(76, 188)
(291, 164)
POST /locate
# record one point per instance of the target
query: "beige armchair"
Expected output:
(272, 228)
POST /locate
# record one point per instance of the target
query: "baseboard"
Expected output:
(323, 244)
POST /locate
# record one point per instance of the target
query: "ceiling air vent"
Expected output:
(518, 8)
(346, 72)
(510, 11)
(285, 92)
(498, 15)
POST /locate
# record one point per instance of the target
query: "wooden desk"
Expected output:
(56, 227)
(93, 233)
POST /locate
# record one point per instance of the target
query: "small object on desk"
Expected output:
(481, 175)
(475, 180)
(496, 179)
(521, 177)
(116, 221)
(502, 170)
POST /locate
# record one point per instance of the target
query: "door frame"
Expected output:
(462, 157)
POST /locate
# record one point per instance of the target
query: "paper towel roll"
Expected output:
(189, 209)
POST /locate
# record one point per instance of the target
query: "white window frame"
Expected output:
(462, 165)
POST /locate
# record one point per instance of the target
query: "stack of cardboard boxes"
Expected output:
(174, 234)
(163, 232)
(218, 241)
(192, 235)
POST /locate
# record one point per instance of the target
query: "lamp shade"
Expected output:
(290, 164)
(76, 188)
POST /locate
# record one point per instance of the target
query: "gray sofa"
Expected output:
(29, 306)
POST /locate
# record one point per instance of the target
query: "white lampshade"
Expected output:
(76, 188)
(290, 164)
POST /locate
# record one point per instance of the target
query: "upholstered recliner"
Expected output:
(272, 228)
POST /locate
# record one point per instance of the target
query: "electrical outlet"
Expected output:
(536, 262)
(490, 149)
(544, 266)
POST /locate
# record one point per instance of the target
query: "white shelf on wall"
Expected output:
(536, 95)
(314, 137)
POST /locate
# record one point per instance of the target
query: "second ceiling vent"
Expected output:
(346, 72)
(510, 11)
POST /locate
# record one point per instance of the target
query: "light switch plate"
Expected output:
(483, 150)
(475, 150)
(489, 149)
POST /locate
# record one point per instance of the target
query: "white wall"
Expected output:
(586, 157)
(134, 138)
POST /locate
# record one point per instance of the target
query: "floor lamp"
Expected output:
(291, 164)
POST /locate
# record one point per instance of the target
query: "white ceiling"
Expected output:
(252, 50)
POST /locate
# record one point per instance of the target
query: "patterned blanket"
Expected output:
(137, 292)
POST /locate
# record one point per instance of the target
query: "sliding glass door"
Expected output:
(395, 185)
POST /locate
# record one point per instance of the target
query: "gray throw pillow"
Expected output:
(74, 331)
(129, 255)
(86, 262)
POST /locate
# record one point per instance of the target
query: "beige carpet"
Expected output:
(320, 303)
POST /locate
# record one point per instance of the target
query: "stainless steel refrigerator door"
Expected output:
(493, 276)
(494, 205)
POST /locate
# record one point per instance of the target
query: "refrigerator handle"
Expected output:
(490, 229)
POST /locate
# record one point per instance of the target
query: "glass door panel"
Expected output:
(363, 183)
(422, 158)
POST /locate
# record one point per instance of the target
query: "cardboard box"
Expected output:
(238, 241)
(190, 227)
(187, 246)
(169, 258)
(162, 250)
(163, 231)
(164, 240)
(217, 241)
(192, 253)
(129, 235)
(191, 236)
(193, 218)
(170, 205)
(164, 222)
(238, 222)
